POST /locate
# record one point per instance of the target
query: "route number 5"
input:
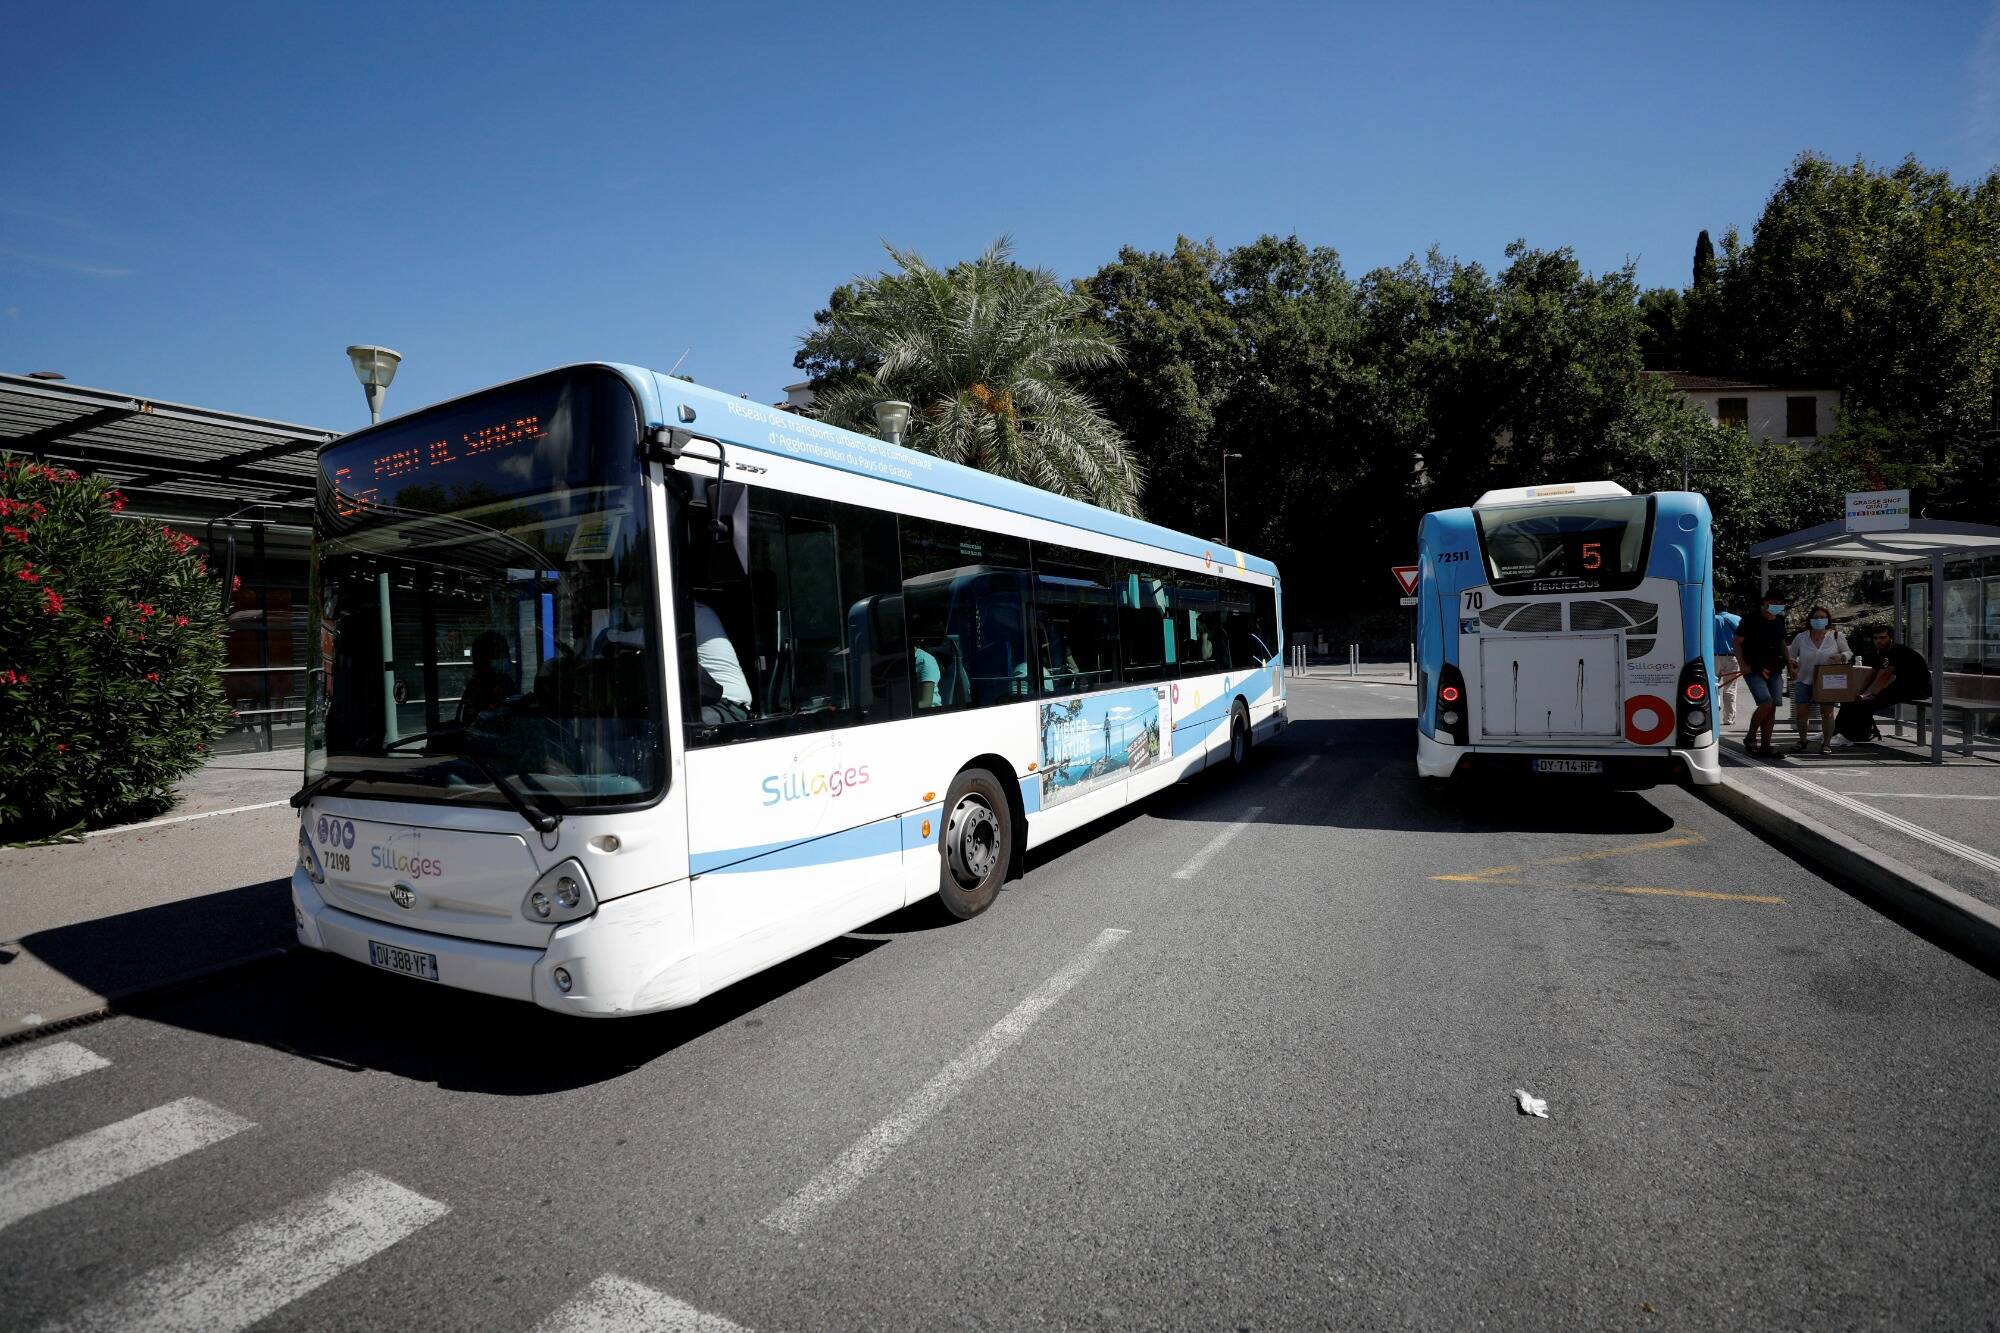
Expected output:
(1593, 555)
(1474, 600)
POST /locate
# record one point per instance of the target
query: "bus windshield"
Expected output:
(1574, 546)
(484, 607)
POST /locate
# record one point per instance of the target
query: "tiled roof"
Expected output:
(1683, 382)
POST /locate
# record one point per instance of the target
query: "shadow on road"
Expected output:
(346, 1016)
(1366, 778)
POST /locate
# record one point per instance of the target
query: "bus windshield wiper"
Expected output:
(318, 784)
(544, 820)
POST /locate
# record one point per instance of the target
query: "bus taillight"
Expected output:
(1452, 724)
(1696, 691)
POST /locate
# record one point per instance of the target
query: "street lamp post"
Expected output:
(374, 367)
(1226, 456)
(892, 418)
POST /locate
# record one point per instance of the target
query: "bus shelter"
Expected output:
(1917, 558)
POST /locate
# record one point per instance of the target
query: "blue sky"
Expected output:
(207, 204)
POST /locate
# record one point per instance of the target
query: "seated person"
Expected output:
(1901, 675)
(925, 672)
(492, 682)
(725, 691)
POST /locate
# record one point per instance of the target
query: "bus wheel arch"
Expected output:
(979, 837)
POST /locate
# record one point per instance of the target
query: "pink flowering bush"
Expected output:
(111, 635)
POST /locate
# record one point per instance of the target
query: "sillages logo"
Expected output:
(799, 786)
(411, 867)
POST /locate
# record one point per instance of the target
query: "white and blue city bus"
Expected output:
(625, 688)
(1567, 630)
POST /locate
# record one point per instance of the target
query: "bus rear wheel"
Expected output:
(976, 844)
(1239, 735)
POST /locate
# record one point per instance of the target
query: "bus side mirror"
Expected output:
(729, 524)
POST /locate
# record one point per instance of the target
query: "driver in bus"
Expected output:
(492, 681)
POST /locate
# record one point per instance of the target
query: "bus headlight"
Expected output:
(561, 894)
(308, 858)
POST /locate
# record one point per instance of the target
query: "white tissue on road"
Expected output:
(1531, 1105)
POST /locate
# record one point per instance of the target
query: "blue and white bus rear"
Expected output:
(1565, 631)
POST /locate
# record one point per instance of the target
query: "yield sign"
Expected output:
(1406, 578)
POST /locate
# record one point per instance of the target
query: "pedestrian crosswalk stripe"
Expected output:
(39, 1066)
(90, 1162)
(263, 1266)
(614, 1304)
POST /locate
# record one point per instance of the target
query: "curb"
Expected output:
(106, 1006)
(1958, 917)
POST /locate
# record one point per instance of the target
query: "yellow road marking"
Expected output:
(1707, 895)
(1688, 839)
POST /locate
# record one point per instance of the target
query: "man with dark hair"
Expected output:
(1760, 650)
(1901, 674)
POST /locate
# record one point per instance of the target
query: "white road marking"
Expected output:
(1901, 825)
(182, 819)
(90, 1162)
(869, 1151)
(614, 1304)
(1218, 842)
(1299, 769)
(1922, 795)
(263, 1266)
(40, 1066)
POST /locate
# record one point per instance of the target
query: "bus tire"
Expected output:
(975, 844)
(1239, 736)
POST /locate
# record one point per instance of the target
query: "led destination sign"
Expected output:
(360, 484)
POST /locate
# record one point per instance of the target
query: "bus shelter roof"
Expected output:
(1917, 544)
(170, 449)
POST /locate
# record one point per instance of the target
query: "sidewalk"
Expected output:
(143, 905)
(1925, 838)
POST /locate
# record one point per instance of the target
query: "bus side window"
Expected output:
(965, 604)
(1145, 631)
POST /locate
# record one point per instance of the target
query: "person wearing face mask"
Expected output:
(1760, 650)
(1817, 645)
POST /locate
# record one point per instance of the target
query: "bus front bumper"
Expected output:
(629, 957)
(1624, 766)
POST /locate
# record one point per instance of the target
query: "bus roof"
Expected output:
(751, 425)
(1574, 490)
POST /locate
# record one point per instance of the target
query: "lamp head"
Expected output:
(374, 366)
(892, 418)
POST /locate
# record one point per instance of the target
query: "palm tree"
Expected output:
(983, 352)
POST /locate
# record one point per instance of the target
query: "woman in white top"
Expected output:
(1818, 645)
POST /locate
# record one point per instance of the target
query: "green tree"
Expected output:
(989, 354)
(110, 640)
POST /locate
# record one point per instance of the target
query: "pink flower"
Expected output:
(153, 676)
(235, 582)
(62, 747)
(52, 601)
(28, 574)
(180, 622)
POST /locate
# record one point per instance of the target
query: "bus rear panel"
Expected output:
(1564, 631)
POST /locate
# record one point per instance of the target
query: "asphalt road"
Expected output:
(1199, 1069)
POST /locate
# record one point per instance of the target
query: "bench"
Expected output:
(1973, 696)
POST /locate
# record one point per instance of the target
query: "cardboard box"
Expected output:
(1840, 684)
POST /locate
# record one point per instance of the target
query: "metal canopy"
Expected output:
(164, 448)
(1913, 545)
(1918, 551)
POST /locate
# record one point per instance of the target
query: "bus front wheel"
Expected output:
(976, 845)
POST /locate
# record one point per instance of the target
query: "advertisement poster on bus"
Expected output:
(1091, 742)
